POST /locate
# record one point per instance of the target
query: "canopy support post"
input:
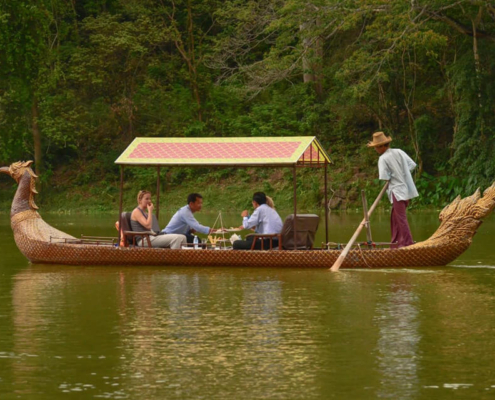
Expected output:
(157, 192)
(295, 205)
(121, 201)
(326, 203)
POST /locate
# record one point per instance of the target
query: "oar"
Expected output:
(340, 260)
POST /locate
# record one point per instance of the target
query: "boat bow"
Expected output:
(26, 223)
(460, 219)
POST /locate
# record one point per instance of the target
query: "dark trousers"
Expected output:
(189, 237)
(401, 234)
(246, 244)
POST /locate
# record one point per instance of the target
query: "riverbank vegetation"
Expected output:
(79, 80)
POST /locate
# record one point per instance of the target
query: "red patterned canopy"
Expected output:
(276, 151)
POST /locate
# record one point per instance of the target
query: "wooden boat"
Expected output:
(41, 243)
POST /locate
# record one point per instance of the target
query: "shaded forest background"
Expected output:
(79, 79)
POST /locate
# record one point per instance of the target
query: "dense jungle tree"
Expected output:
(80, 79)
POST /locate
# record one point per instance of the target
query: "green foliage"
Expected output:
(105, 71)
(439, 191)
(474, 139)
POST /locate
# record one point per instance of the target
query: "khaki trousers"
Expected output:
(171, 240)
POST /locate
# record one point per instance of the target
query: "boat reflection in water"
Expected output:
(253, 333)
(397, 348)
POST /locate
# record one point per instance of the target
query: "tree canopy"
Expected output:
(79, 80)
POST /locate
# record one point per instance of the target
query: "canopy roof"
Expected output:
(245, 151)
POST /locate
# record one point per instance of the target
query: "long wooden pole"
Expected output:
(367, 218)
(157, 212)
(295, 206)
(121, 201)
(326, 204)
(340, 260)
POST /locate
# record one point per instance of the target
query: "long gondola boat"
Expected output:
(41, 243)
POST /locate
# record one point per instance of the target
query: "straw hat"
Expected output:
(379, 139)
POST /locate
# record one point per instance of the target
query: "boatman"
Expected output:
(395, 166)
(266, 221)
(183, 221)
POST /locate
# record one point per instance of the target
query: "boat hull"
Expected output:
(75, 254)
(42, 243)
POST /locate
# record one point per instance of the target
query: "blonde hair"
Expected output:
(269, 202)
(141, 194)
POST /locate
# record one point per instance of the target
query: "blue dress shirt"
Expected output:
(183, 221)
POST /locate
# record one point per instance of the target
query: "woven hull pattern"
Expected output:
(41, 243)
(29, 225)
(74, 254)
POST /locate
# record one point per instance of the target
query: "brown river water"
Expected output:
(238, 333)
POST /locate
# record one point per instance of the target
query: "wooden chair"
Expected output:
(262, 237)
(306, 228)
(130, 235)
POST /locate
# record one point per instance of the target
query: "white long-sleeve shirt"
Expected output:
(395, 166)
(265, 219)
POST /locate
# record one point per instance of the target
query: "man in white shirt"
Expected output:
(395, 166)
(264, 218)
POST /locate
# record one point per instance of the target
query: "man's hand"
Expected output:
(244, 213)
(213, 230)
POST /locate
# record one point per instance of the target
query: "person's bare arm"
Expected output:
(139, 217)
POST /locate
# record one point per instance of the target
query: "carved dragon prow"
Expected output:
(460, 219)
(26, 223)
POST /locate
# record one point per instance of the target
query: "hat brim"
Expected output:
(371, 144)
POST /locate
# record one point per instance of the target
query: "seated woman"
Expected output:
(142, 222)
(269, 202)
(264, 218)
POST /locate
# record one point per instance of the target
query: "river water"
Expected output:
(239, 333)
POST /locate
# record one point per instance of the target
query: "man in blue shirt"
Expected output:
(264, 218)
(183, 221)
